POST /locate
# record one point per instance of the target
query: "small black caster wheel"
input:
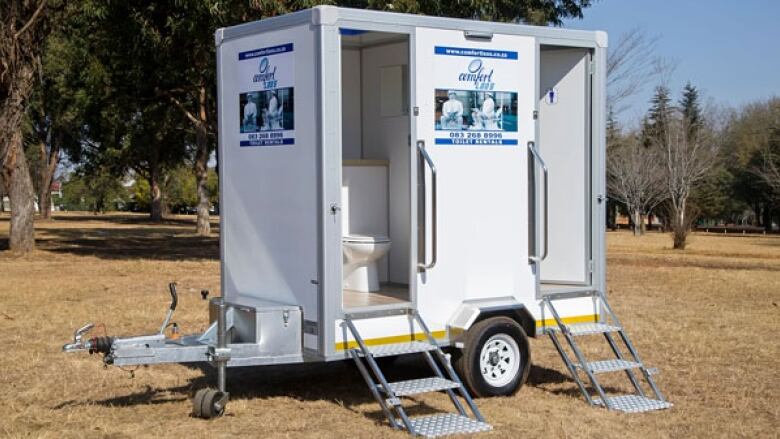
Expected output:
(209, 403)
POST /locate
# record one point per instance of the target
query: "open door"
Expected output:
(565, 101)
(474, 104)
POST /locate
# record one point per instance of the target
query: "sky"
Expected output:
(729, 49)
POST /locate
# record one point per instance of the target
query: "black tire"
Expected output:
(204, 404)
(467, 361)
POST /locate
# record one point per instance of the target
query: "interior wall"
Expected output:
(351, 136)
(386, 136)
(564, 145)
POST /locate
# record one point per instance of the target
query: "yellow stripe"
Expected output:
(568, 320)
(343, 346)
(390, 340)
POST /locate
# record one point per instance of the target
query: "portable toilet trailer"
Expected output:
(395, 184)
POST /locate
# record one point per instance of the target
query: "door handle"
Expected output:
(423, 263)
(546, 178)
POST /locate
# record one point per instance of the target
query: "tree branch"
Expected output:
(32, 20)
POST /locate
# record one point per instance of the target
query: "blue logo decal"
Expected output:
(477, 74)
(267, 74)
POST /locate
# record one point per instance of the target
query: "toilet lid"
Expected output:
(353, 237)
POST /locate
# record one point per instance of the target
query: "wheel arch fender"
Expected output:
(472, 311)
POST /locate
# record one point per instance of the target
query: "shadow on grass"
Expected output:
(337, 382)
(142, 242)
(134, 237)
(541, 377)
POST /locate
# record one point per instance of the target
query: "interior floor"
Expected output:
(388, 294)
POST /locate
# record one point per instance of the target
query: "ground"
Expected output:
(706, 317)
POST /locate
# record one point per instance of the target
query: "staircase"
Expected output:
(389, 395)
(629, 364)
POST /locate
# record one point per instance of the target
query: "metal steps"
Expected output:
(447, 424)
(422, 385)
(388, 394)
(392, 350)
(609, 325)
(634, 403)
(610, 365)
(578, 329)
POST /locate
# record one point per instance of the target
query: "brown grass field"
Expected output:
(706, 317)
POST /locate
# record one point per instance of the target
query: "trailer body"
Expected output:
(519, 205)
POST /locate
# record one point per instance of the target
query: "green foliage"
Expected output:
(654, 126)
(691, 109)
(99, 192)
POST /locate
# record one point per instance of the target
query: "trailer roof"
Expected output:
(331, 15)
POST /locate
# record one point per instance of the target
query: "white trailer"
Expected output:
(395, 184)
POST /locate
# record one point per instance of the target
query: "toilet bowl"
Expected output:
(361, 254)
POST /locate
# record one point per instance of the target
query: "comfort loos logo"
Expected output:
(476, 73)
(267, 72)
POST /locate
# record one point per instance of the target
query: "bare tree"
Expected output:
(769, 170)
(631, 65)
(688, 157)
(635, 177)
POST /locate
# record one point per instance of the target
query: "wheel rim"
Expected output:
(499, 360)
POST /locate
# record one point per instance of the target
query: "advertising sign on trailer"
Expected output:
(475, 102)
(266, 102)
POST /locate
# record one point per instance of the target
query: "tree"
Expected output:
(661, 110)
(98, 193)
(768, 171)
(55, 112)
(631, 65)
(746, 139)
(689, 154)
(635, 178)
(24, 25)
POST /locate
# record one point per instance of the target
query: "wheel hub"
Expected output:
(499, 360)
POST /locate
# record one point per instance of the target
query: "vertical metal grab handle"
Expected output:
(434, 211)
(538, 157)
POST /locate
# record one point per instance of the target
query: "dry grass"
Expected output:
(707, 317)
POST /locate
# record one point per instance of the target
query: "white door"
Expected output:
(564, 101)
(475, 102)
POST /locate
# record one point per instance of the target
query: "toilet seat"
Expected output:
(367, 239)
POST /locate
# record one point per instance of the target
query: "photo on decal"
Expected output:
(468, 110)
(269, 110)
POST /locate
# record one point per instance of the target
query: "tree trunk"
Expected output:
(155, 194)
(203, 227)
(21, 194)
(16, 173)
(766, 218)
(49, 162)
(636, 218)
(680, 226)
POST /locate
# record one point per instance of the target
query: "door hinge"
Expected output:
(591, 266)
(416, 111)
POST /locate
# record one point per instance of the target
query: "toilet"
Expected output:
(364, 224)
(361, 254)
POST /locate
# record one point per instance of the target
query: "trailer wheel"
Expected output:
(496, 358)
(209, 403)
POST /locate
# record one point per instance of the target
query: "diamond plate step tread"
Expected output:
(422, 385)
(634, 403)
(446, 424)
(610, 365)
(589, 328)
(389, 350)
